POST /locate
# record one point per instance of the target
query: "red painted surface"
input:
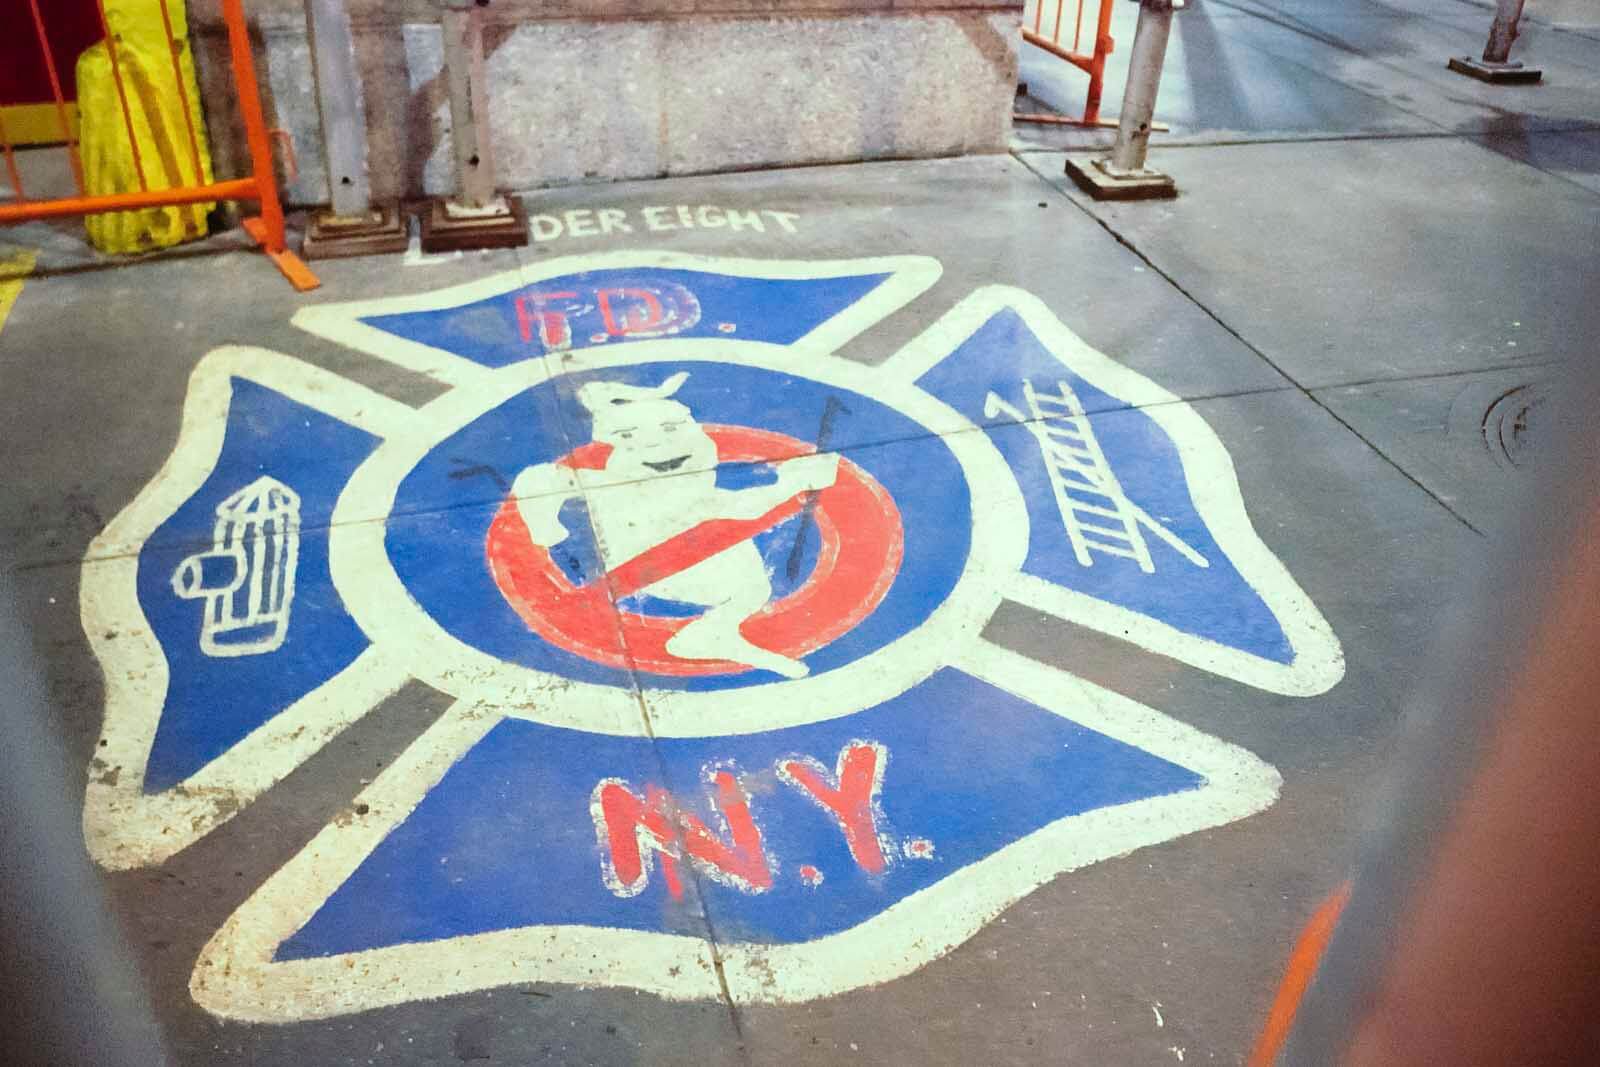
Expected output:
(624, 312)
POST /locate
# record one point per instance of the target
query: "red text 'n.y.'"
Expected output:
(635, 829)
(849, 795)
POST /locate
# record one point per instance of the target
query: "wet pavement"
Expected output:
(904, 613)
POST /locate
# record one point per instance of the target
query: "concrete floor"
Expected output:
(1360, 296)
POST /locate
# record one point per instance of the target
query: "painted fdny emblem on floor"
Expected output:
(709, 597)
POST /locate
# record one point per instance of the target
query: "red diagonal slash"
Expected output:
(698, 543)
(851, 576)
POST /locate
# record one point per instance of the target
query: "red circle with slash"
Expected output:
(862, 545)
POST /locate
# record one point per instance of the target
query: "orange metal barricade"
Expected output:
(1047, 29)
(265, 228)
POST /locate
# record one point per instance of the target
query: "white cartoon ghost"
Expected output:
(660, 480)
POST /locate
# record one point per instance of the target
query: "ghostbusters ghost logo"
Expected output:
(666, 537)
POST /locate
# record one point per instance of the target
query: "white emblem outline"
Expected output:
(236, 977)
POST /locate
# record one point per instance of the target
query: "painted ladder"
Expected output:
(1096, 511)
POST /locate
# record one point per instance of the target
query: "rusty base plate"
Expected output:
(442, 232)
(331, 236)
(1495, 73)
(1095, 180)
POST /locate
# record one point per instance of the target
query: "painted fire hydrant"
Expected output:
(247, 578)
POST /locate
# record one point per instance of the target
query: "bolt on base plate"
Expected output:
(382, 229)
(1512, 73)
(1096, 178)
(450, 227)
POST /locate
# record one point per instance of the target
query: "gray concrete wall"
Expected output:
(580, 92)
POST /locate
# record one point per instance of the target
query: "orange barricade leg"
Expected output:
(267, 229)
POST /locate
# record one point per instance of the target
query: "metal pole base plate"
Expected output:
(1094, 178)
(1495, 73)
(330, 236)
(444, 230)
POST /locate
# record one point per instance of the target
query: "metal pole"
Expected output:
(1144, 78)
(477, 216)
(1123, 174)
(1506, 16)
(341, 106)
(469, 94)
(354, 226)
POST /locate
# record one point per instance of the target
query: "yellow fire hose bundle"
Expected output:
(156, 115)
